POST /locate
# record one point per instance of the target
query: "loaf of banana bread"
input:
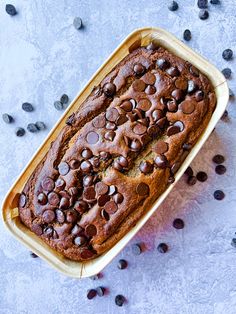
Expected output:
(117, 153)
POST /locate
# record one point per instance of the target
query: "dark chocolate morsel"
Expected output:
(109, 89)
(142, 189)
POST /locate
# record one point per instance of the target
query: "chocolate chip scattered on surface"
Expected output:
(178, 223)
(119, 300)
(26, 106)
(162, 247)
(219, 195)
(122, 264)
(187, 35)
(227, 54)
(7, 118)
(19, 131)
(10, 9)
(77, 23)
(203, 14)
(173, 6)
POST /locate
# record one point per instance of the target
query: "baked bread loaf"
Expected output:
(117, 153)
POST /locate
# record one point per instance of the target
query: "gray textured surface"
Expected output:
(43, 56)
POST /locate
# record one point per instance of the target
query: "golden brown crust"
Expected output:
(115, 156)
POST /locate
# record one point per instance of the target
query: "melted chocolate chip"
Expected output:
(48, 232)
(150, 90)
(53, 198)
(161, 161)
(162, 64)
(126, 106)
(121, 119)
(181, 83)
(118, 198)
(111, 126)
(47, 184)
(74, 164)
(81, 206)
(146, 167)
(88, 180)
(110, 135)
(86, 166)
(60, 184)
(178, 94)
(139, 129)
(172, 105)
(99, 121)
(71, 216)
(135, 145)
(89, 193)
(161, 122)
(77, 230)
(101, 188)
(139, 69)
(138, 85)
(63, 168)
(103, 199)
(149, 78)
(48, 216)
(144, 104)
(80, 240)
(142, 189)
(157, 114)
(110, 207)
(42, 199)
(60, 217)
(109, 89)
(112, 114)
(173, 71)
(64, 203)
(91, 230)
(123, 161)
(92, 137)
(86, 153)
(160, 147)
(187, 106)
(175, 128)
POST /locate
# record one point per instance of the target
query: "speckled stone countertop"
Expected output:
(43, 56)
